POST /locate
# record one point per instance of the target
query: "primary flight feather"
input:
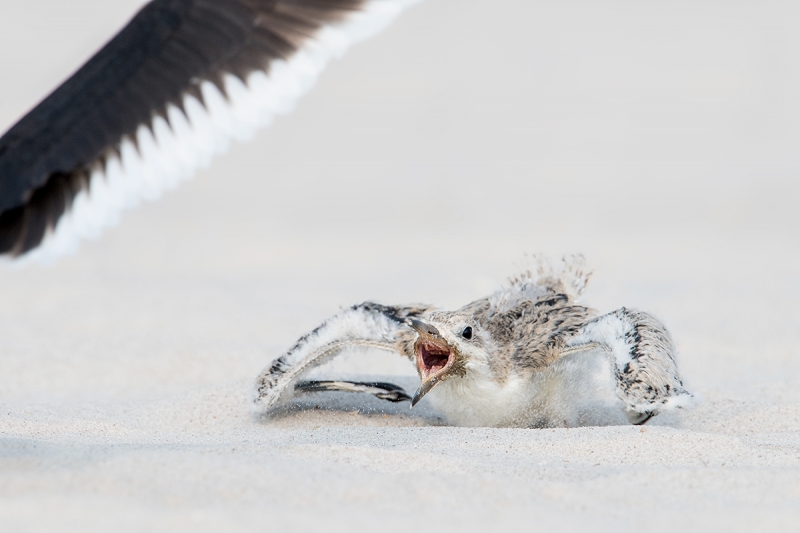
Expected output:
(171, 90)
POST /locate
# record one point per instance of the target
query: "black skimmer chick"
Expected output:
(529, 355)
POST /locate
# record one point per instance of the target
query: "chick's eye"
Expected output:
(467, 333)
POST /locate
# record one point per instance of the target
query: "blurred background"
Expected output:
(659, 139)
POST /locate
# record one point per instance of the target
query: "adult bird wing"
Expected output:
(172, 89)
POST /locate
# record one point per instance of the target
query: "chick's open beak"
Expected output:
(434, 357)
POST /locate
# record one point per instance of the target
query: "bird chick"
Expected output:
(529, 355)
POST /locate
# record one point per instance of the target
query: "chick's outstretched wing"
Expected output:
(367, 325)
(643, 360)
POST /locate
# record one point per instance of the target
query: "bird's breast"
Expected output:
(576, 390)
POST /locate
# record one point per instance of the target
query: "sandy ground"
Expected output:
(661, 140)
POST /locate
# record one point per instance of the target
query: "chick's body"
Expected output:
(529, 355)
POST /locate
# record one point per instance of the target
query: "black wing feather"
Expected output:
(163, 54)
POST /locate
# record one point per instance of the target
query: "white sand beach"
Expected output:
(661, 140)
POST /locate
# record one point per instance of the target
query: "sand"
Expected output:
(659, 140)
